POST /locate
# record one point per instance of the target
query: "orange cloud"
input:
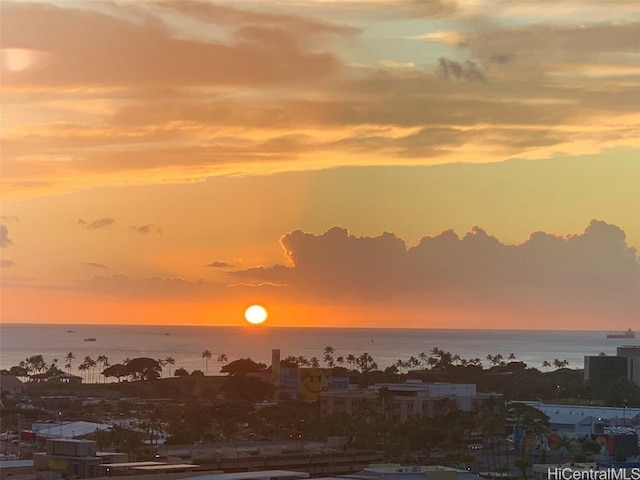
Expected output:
(180, 91)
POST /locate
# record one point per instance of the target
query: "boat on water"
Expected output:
(628, 334)
(90, 339)
(71, 331)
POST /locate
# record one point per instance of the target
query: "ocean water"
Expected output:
(186, 343)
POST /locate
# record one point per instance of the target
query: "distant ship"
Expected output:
(91, 339)
(71, 331)
(628, 334)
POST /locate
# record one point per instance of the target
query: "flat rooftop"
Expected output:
(166, 466)
(131, 464)
(260, 475)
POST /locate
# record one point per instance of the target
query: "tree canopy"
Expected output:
(243, 366)
(141, 368)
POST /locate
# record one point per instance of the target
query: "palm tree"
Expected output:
(102, 360)
(302, 361)
(207, 355)
(328, 356)
(36, 364)
(169, 361)
(560, 363)
(351, 360)
(105, 364)
(89, 363)
(162, 364)
(83, 367)
(366, 363)
(222, 358)
(424, 357)
(413, 362)
(432, 361)
(69, 357)
(315, 363)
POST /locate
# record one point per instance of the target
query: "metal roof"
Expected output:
(261, 475)
(572, 414)
(131, 464)
(16, 464)
(166, 466)
(70, 430)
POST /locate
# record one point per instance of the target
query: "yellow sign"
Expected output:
(312, 383)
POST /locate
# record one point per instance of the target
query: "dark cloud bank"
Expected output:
(594, 271)
(591, 273)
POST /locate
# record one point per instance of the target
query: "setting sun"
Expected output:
(256, 314)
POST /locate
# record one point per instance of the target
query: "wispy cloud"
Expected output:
(200, 89)
(96, 265)
(5, 241)
(218, 264)
(146, 229)
(98, 224)
(6, 263)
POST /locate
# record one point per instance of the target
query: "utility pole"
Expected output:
(19, 435)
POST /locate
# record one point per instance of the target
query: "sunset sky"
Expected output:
(363, 163)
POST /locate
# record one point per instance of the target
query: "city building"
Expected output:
(331, 457)
(255, 475)
(631, 352)
(404, 401)
(119, 469)
(579, 420)
(607, 368)
(68, 457)
(12, 385)
(303, 383)
(16, 470)
(613, 428)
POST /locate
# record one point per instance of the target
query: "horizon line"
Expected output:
(264, 327)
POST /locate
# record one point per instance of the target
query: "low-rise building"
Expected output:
(312, 457)
(70, 458)
(403, 401)
(16, 470)
(580, 420)
(12, 385)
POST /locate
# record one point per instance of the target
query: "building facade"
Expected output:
(403, 401)
(624, 365)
